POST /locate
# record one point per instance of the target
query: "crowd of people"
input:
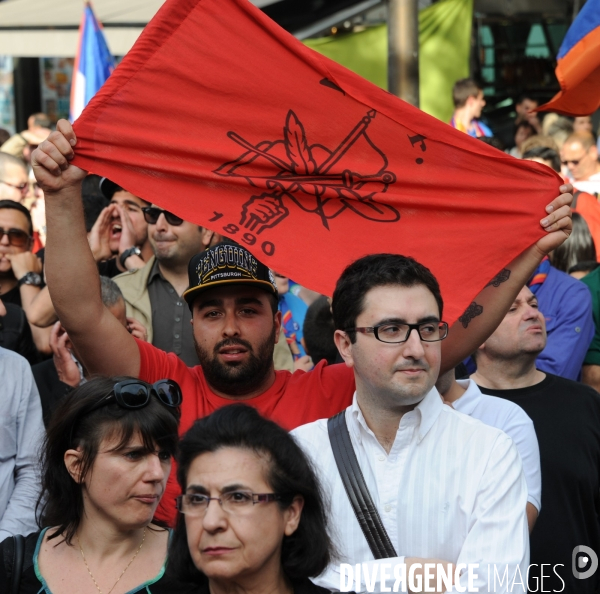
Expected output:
(165, 431)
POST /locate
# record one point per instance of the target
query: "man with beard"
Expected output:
(235, 320)
(153, 293)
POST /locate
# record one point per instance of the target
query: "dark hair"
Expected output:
(4, 136)
(61, 502)
(93, 200)
(586, 266)
(523, 124)
(309, 550)
(546, 154)
(22, 209)
(578, 247)
(463, 89)
(377, 270)
(111, 292)
(318, 332)
(492, 141)
(524, 96)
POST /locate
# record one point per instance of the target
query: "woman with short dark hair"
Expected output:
(105, 463)
(252, 516)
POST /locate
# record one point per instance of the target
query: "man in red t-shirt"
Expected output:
(234, 315)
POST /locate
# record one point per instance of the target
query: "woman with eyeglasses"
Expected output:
(252, 517)
(105, 463)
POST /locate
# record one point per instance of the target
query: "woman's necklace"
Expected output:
(122, 573)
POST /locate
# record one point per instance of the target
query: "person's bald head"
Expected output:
(13, 178)
(584, 139)
(580, 156)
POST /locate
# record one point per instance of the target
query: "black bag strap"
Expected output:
(575, 196)
(357, 490)
(17, 564)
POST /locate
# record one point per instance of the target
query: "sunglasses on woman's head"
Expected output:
(151, 214)
(135, 394)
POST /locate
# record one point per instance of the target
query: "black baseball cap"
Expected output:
(227, 263)
(109, 188)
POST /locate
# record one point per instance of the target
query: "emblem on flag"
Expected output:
(306, 175)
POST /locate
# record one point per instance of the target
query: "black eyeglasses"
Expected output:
(21, 187)
(151, 214)
(397, 333)
(16, 237)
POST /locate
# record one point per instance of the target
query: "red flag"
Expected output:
(223, 118)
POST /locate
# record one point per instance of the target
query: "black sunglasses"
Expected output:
(16, 237)
(135, 394)
(151, 214)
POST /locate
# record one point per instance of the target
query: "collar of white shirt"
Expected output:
(425, 413)
(471, 397)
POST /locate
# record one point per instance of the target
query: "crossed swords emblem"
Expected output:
(308, 184)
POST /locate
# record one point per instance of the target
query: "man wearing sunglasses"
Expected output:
(579, 156)
(13, 178)
(20, 269)
(153, 293)
(233, 300)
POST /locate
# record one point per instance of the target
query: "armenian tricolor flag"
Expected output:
(93, 62)
(578, 69)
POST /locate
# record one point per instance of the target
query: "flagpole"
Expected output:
(403, 49)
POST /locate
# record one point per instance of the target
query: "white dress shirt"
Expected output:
(450, 488)
(513, 420)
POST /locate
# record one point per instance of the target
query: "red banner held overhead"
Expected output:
(223, 118)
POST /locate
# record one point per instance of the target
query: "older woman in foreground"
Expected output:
(252, 517)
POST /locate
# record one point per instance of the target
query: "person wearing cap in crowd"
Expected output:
(13, 178)
(235, 320)
(123, 230)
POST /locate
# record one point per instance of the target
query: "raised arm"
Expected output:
(101, 342)
(489, 307)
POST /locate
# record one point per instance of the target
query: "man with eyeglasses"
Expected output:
(579, 156)
(13, 178)
(448, 488)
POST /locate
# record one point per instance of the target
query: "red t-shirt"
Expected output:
(293, 399)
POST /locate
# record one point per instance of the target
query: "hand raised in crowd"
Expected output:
(67, 370)
(137, 329)
(558, 223)
(23, 263)
(50, 160)
(127, 238)
(99, 236)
